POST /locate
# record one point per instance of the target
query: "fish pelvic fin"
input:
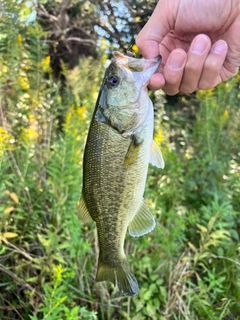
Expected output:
(83, 212)
(143, 222)
(120, 275)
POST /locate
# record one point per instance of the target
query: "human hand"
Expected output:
(199, 42)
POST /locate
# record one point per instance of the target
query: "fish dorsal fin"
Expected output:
(83, 212)
(142, 223)
(156, 158)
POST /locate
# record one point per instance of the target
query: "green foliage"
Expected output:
(187, 268)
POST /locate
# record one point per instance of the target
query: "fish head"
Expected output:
(123, 101)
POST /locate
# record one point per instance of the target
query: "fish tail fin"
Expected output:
(121, 274)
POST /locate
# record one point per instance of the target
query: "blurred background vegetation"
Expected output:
(52, 58)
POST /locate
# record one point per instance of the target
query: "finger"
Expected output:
(211, 72)
(157, 27)
(196, 57)
(157, 81)
(173, 71)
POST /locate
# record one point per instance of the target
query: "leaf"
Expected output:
(8, 210)
(192, 247)
(212, 222)
(9, 235)
(14, 197)
(202, 228)
(46, 243)
(151, 311)
(59, 258)
(147, 295)
(138, 316)
(139, 304)
(220, 234)
(163, 292)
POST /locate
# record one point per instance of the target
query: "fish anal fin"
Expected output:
(156, 158)
(120, 274)
(142, 223)
(83, 212)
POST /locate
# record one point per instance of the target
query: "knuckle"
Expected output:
(140, 41)
(169, 90)
(173, 81)
(204, 85)
(171, 93)
(209, 81)
(187, 89)
(212, 66)
(192, 68)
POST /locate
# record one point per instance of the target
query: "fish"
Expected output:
(118, 149)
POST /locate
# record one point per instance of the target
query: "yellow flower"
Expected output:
(29, 134)
(58, 274)
(135, 48)
(45, 63)
(104, 58)
(59, 99)
(189, 152)
(159, 138)
(225, 114)
(19, 39)
(3, 69)
(2, 131)
(205, 93)
(68, 117)
(76, 114)
(4, 139)
(23, 82)
(81, 112)
(32, 118)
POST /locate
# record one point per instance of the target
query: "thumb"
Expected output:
(158, 26)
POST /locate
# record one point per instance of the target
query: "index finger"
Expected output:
(154, 31)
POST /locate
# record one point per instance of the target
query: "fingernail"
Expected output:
(199, 45)
(219, 47)
(176, 60)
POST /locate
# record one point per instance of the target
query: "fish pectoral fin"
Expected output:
(156, 158)
(133, 151)
(142, 223)
(83, 212)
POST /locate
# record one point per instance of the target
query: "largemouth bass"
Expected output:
(118, 150)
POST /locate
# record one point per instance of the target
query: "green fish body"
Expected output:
(118, 149)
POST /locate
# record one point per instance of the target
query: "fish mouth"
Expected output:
(135, 64)
(142, 69)
(150, 67)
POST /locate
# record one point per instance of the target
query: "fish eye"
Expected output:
(113, 81)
